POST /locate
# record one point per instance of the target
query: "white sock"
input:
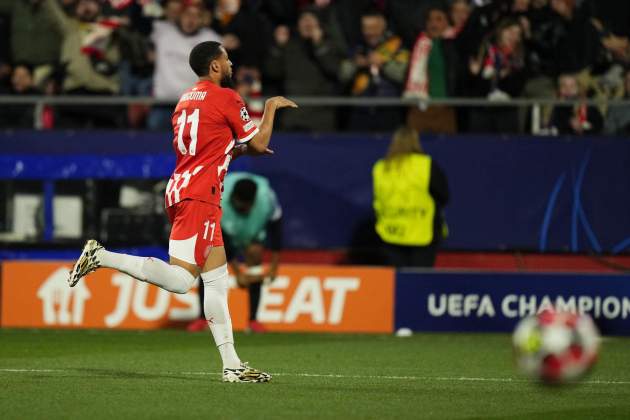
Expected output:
(152, 270)
(215, 306)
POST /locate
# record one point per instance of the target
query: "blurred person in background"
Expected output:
(576, 43)
(618, 118)
(90, 56)
(5, 77)
(34, 38)
(484, 19)
(249, 85)
(574, 119)
(246, 35)
(172, 9)
(5, 38)
(376, 68)
(433, 74)
(22, 83)
(458, 13)
(539, 28)
(306, 64)
(498, 73)
(410, 192)
(137, 54)
(407, 18)
(252, 220)
(614, 14)
(90, 51)
(172, 74)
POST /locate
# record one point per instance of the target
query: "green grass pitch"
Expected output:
(170, 374)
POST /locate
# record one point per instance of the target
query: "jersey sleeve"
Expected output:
(242, 126)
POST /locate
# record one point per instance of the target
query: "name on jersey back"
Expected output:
(193, 96)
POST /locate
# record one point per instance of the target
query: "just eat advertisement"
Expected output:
(301, 298)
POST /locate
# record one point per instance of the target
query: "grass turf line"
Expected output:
(174, 374)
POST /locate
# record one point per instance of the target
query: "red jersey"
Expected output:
(208, 122)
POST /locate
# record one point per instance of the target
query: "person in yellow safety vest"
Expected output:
(410, 191)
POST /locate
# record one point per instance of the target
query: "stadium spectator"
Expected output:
(5, 38)
(251, 221)
(306, 63)
(249, 85)
(173, 75)
(407, 17)
(433, 74)
(618, 47)
(459, 12)
(574, 119)
(5, 77)
(540, 33)
(483, 21)
(90, 52)
(576, 43)
(34, 38)
(614, 14)
(172, 9)
(20, 115)
(90, 56)
(410, 191)
(246, 35)
(618, 118)
(137, 54)
(499, 74)
(376, 68)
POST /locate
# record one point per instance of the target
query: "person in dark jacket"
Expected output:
(499, 73)
(20, 116)
(376, 67)
(574, 119)
(245, 33)
(34, 38)
(306, 63)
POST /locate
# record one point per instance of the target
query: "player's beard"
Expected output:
(227, 82)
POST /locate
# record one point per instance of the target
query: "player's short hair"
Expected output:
(245, 190)
(201, 56)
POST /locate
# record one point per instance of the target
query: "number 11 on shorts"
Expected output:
(207, 224)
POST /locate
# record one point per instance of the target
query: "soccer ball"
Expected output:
(556, 347)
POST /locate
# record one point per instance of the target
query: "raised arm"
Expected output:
(57, 16)
(259, 144)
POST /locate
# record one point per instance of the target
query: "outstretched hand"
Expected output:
(281, 102)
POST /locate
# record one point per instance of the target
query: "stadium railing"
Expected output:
(534, 105)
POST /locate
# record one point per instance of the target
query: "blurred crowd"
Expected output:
(495, 49)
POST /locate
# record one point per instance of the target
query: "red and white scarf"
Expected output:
(418, 76)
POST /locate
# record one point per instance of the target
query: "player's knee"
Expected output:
(254, 254)
(186, 281)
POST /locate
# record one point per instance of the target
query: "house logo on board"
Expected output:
(61, 304)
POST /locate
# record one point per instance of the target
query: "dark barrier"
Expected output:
(543, 194)
(428, 301)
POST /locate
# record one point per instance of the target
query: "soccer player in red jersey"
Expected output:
(211, 126)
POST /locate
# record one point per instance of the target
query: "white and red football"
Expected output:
(556, 347)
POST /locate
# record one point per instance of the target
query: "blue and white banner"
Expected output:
(507, 192)
(428, 301)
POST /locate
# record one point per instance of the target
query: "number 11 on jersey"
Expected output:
(207, 224)
(193, 120)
